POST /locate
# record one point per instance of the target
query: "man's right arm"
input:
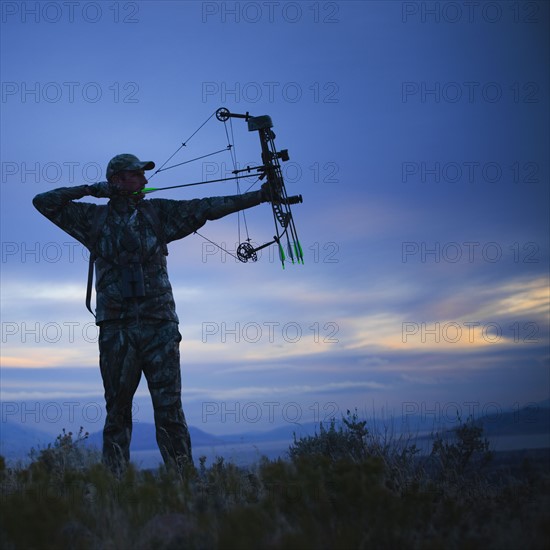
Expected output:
(74, 218)
(51, 203)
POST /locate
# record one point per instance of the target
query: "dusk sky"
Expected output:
(418, 135)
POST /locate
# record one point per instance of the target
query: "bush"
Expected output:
(456, 453)
(66, 453)
(346, 442)
(353, 441)
(348, 486)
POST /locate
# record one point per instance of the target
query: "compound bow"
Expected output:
(270, 170)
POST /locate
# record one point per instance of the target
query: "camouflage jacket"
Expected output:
(128, 237)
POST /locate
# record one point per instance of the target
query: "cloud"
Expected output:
(522, 298)
(16, 292)
(317, 323)
(46, 357)
(475, 318)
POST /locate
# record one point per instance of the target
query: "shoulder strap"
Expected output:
(150, 213)
(97, 226)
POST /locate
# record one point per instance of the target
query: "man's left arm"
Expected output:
(181, 218)
(215, 208)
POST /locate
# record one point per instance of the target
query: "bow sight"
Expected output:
(280, 201)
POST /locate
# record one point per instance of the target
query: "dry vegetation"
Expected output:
(346, 487)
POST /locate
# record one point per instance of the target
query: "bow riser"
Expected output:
(280, 201)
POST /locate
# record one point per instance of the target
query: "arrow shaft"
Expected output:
(152, 189)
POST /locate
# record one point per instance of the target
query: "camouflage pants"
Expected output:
(126, 349)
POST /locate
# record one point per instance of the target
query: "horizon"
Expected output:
(53, 421)
(526, 430)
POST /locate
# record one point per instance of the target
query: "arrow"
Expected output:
(152, 189)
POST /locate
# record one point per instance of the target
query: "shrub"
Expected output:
(334, 443)
(465, 447)
(348, 486)
(66, 453)
(353, 441)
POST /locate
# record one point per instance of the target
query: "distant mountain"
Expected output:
(523, 421)
(520, 421)
(283, 433)
(143, 437)
(16, 440)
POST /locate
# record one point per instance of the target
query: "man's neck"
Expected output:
(125, 203)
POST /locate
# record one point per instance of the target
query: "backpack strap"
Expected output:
(147, 209)
(97, 225)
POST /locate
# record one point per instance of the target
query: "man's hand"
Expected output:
(269, 194)
(101, 190)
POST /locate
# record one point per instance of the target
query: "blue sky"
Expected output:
(418, 136)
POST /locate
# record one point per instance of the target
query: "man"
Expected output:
(135, 307)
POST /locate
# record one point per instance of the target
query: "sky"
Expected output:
(418, 135)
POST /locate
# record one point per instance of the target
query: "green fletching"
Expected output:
(300, 253)
(296, 251)
(290, 253)
(146, 190)
(282, 255)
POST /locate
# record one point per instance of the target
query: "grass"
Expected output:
(345, 487)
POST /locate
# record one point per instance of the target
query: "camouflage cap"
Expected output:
(127, 162)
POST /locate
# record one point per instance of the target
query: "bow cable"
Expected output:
(184, 144)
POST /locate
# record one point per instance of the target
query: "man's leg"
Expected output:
(161, 366)
(121, 372)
